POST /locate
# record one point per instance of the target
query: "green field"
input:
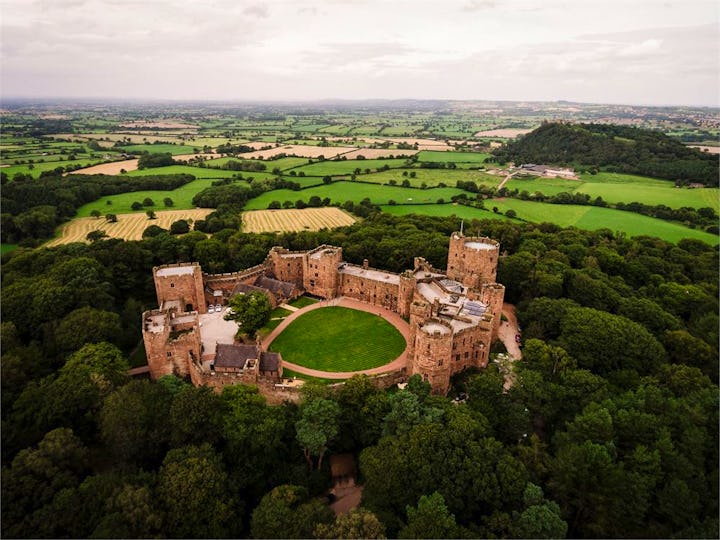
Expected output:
(474, 158)
(626, 188)
(333, 167)
(354, 191)
(339, 339)
(197, 172)
(174, 149)
(121, 202)
(37, 168)
(565, 215)
(433, 177)
(6, 248)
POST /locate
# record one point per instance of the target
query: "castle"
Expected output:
(453, 315)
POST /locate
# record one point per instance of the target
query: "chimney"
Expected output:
(365, 264)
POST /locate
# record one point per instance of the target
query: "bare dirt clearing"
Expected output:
(307, 219)
(509, 133)
(128, 226)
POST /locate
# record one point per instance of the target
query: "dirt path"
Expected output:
(391, 317)
(508, 330)
(507, 177)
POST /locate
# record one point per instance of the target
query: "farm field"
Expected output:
(35, 169)
(433, 177)
(354, 191)
(507, 133)
(476, 158)
(280, 163)
(301, 151)
(306, 219)
(197, 172)
(121, 202)
(339, 339)
(377, 153)
(109, 168)
(592, 218)
(583, 217)
(332, 167)
(627, 189)
(6, 248)
(174, 149)
(128, 226)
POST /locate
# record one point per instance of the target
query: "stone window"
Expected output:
(316, 274)
(169, 354)
(440, 362)
(457, 357)
(467, 354)
(172, 285)
(312, 282)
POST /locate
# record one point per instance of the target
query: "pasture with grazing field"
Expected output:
(174, 149)
(333, 167)
(121, 202)
(463, 159)
(339, 339)
(433, 177)
(307, 219)
(128, 226)
(354, 191)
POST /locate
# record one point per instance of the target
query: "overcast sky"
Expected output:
(604, 51)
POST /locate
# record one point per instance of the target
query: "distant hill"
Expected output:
(612, 148)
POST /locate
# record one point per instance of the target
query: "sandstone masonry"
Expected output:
(454, 315)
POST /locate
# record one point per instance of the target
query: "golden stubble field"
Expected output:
(292, 220)
(128, 226)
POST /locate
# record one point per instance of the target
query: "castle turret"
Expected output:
(472, 260)
(181, 285)
(493, 294)
(432, 359)
(172, 342)
(286, 265)
(320, 271)
(406, 290)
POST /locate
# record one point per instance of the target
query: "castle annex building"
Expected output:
(453, 315)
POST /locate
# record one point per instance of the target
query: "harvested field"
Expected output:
(708, 149)
(375, 153)
(128, 226)
(508, 133)
(109, 168)
(307, 219)
(300, 150)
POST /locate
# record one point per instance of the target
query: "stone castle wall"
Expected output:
(320, 271)
(471, 266)
(186, 288)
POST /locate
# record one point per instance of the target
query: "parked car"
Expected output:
(211, 309)
(218, 308)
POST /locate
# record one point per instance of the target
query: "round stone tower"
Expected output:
(472, 260)
(433, 354)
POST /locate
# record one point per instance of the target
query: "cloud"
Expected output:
(479, 5)
(649, 46)
(257, 10)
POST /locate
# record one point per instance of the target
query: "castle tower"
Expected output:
(181, 284)
(320, 271)
(493, 294)
(286, 265)
(433, 354)
(172, 343)
(406, 290)
(472, 260)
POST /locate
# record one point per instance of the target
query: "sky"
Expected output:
(647, 52)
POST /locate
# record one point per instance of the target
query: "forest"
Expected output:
(609, 430)
(612, 148)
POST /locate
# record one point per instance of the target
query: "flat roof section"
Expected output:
(375, 275)
(176, 271)
(480, 245)
(433, 327)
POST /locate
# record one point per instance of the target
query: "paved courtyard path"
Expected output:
(393, 318)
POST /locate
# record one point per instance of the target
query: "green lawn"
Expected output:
(37, 168)
(339, 339)
(174, 149)
(289, 374)
(442, 210)
(620, 178)
(302, 302)
(347, 166)
(6, 248)
(122, 202)
(354, 191)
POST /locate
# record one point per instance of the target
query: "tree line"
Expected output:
(612, 148)
(611, 420)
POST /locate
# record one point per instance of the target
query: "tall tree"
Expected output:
(251, 311)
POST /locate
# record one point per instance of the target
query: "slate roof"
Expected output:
(269, 361)
(244, 289)
(275, 286)
(234, 356)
